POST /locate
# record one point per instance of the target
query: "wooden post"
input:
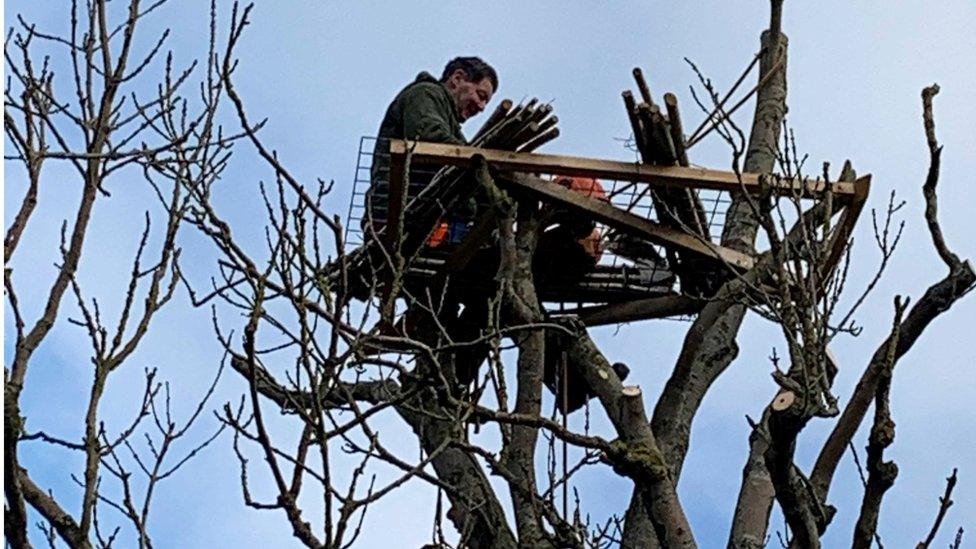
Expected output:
(635, 125)
(397, 200)
(677, 132)
(845, 227)
(642, 86)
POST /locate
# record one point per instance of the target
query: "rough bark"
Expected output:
(522, 307)
(662, 513)
(881, 474)
(474, 507)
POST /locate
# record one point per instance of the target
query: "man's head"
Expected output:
(471, 82)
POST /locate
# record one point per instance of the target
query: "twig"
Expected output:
(945, 502)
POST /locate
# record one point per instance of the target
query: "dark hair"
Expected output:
(474, 68)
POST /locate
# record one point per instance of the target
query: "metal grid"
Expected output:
(360, 185)
(369, 153)
(639, 199)
(618, 276)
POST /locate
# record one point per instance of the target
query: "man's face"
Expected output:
(470, 97)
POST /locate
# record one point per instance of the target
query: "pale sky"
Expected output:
(323, 72)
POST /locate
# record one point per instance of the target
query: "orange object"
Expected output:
(586, 186)
(439, 235)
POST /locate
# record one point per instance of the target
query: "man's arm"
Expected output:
(427, 116)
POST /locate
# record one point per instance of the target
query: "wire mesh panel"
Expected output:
(621, 267)
(368, 204)
(360, 186)
(642, 200)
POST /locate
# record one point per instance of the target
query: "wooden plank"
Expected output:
(671, 176)
(845, 226)
(605, 213)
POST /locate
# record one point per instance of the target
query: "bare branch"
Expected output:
(881, 474)
(945, 501)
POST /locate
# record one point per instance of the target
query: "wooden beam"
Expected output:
(845, 225)
(671, 176)
(625, 221)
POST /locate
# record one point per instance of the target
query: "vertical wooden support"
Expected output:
(645, 91)
(397, 202)
(635, 126)
(845, 226)
(676, 129)
(393, 235)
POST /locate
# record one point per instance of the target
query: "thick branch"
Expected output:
(475, 508)
(756, 495)
(937, 299)
(801, 507)
(881, 474)
(63, 523)
(740, 230)
(646, 464)
(710, 344)
(521, 306)
(337, 395)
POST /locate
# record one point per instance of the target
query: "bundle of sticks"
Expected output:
(524, 128)
(659, 138)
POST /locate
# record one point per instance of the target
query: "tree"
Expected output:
(307, 351)
(99, 119)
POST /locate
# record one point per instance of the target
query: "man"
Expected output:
(433, 110)
(428, 110)
(570, 245)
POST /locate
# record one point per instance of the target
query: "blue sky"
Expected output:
(325, 71)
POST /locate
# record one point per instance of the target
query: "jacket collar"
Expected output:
(425, 76)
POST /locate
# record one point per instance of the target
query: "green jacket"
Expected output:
(423, 110)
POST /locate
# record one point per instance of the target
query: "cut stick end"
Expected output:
(783, 401)
(631, 391)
